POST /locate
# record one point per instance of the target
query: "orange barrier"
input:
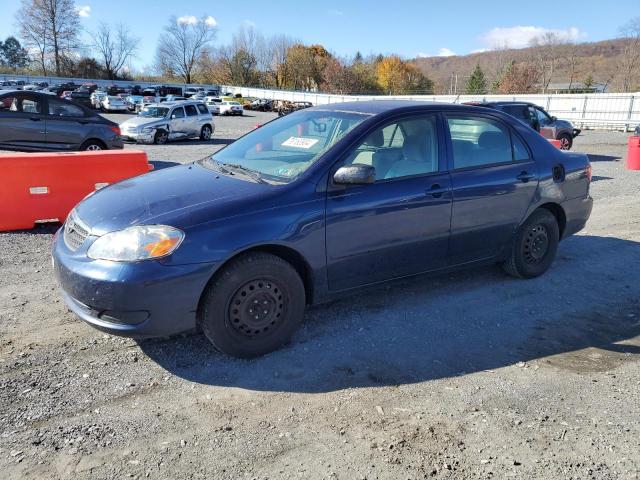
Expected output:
(554, 142)
(633, 153)
(44, 187)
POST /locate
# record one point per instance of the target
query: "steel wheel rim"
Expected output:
(162, 138)
(536, 244)
(206, 133)
(256, 308)
(564, 143)
(93, 148)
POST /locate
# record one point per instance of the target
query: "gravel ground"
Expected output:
(470, 375)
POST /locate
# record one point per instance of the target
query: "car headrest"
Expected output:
(376, 139)
(414, 148)
(492, 140)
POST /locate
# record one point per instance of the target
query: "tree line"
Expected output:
(52, 44)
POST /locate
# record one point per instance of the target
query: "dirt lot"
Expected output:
(471, 375)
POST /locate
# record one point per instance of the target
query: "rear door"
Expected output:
(192, 121)
(494, 179)
(23, 123)
(67, 125)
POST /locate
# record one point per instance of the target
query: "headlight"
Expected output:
(148, 129)
(136, 243)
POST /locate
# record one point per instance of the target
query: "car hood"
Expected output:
(180, 196)
(140, 121)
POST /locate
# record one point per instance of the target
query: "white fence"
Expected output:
(594, 110)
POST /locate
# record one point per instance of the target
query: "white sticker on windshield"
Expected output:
(300, 142)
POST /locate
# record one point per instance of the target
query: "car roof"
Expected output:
(500, 103)
(384, 106)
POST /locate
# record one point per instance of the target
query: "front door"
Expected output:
(400, 224)
(494, 179)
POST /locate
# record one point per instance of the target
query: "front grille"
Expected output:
(75, 232)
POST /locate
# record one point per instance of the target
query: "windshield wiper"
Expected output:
(232, 168)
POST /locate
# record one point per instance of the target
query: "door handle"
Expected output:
(436, 190)
(524, 177)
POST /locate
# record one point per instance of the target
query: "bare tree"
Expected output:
(547, 53)
(115, 46)
(628, 65)
(182, 43)
(50, 26)
(278, 50)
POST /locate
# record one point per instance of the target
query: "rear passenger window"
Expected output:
(202, 109)
(191, 110)
(62, 108)
(520, 152)
(480, 141)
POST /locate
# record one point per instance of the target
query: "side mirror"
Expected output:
(553, 119)
(356, 174)
(173, 116)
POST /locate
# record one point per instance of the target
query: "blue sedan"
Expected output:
(315, 204)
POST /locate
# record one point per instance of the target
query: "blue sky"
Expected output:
(408, 27)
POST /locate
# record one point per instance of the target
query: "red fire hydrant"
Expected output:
(633, 153)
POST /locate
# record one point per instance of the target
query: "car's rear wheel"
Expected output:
(93, 146)
(253, 306)
(205, 133)
(566, 142)
(535, 246)
(161, 137)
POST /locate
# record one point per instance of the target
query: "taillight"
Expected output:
(588, 171)
(115, 129)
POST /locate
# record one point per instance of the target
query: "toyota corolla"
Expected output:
(315, 204)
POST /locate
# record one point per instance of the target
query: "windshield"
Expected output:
(155, 112)
(283, 149)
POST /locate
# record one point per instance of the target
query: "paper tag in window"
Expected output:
(299, 142)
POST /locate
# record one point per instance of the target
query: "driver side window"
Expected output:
(543, 118)
(400, 149)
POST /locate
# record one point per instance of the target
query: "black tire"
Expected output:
(226, 314)
(93, 146)
(161, 137)
(534, 247)
(205, 133)
(566, 141)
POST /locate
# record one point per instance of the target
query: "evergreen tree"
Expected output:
(477, 83)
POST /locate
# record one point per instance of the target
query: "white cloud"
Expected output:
(445, 52)
(422, 55)
(479, 50)
(84, 11)
(187, 20)
(521, 36)
(212, 22)
(249, 24)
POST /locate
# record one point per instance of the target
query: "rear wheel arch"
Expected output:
(93, 141)
(557, 212)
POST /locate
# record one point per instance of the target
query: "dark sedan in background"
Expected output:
(535, 116)
(310, 206)
(33, 121)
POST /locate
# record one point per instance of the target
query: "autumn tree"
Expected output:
(50, 27)
(477, 83)
(338, 78)
(305, 65)
(518, 78)
(398, 77)
(547, 54)
(181, 45)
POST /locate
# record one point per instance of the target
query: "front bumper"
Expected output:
(138, 137)
(142, 299)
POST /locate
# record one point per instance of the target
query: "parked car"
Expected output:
(133, 102)
(311, 206)
(230, 108)
(174, 98)
(262, 105)
(37, 121)
(66, 94)
(160, 122)
(213, 104)
(96, 99)
(110, 103)
(285, 107)
(82, 96)
(536, 117)
(190, 91)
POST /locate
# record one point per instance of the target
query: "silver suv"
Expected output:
(160, 122)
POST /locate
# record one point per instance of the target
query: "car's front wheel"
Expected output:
(535, 246)
(161, 137)
(253, 306)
